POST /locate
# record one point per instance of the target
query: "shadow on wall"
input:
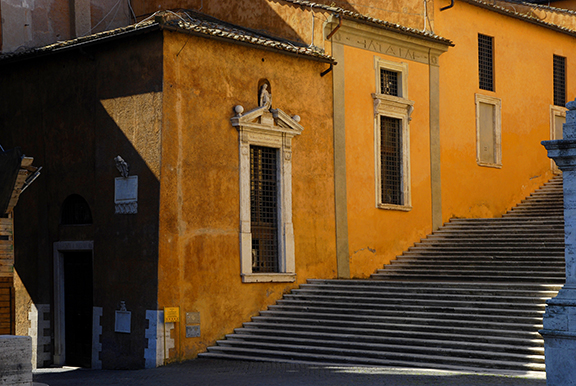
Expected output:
(75, 112)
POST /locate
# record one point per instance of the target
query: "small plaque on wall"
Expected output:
(123, 321)
(192, 331)
(126, 195)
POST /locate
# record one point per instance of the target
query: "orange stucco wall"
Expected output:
(377, 235)
(199, 262)
(523, 74)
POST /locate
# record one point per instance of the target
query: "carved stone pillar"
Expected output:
(559, 330)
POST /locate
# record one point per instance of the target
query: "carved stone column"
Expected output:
(559, 330)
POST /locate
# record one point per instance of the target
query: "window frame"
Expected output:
(481, 72)
(555, 111)
(271, 128)
(555, 81)
(397, 107)
(497, 103)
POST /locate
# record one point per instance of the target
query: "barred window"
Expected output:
(392, 111)
(389, 82)
(391, 160)
(75, 211)
(559, 80)
(264, 208)
(486, 62)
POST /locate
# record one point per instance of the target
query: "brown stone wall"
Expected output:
(74, 112)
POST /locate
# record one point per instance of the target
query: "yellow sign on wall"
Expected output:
(171, 314)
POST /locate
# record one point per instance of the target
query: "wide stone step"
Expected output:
(478, 249)
(432, 300)
(366, 357)
(376, 350)
(502, 242)
(470, 296)
(514, 289)
(556, 267)
(526, 346)
(485, 335)
(525, 279)
(381, 344)
(405, 309)
(440, 314)
(456, 238)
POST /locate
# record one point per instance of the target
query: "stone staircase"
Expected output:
(469, 297)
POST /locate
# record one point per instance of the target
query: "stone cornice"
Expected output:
(386, 42)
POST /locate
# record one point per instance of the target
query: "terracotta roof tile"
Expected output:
(371, 20)
(185, 22)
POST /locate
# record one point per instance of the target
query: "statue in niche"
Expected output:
(265, 97)
(122, 166)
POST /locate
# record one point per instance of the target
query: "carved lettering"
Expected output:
(375, 46)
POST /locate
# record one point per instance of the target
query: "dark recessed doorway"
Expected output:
(78, 290)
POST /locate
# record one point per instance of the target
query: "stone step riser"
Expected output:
(532, 339)
(382, 344)
(379, 351)
(533, 306)
(414, 338)
(393, 314)
(469, 296)
(338, 356)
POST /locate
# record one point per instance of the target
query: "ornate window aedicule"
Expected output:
(392, 110)
(266, 231)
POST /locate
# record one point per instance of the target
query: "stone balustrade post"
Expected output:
(559, 322)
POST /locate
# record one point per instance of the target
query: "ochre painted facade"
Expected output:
(169, 108)
(199, 258)
(523, 74)
(377, 235)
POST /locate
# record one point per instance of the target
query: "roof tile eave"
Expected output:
(521, 16)
(374, 21)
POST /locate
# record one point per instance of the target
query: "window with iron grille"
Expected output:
(75, 211)
(389, 82)
(264, 208)
(391, 160)
(486, 62)
(559, 80)
(392, 114)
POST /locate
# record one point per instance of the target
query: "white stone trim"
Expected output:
(555, 111)
(38, 324)
(274, 128)
(96, 334)
(497, 103)
(154, 352)
(399, 107)
(59, 314)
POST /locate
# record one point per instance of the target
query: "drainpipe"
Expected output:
(448, 6)
(336, 28)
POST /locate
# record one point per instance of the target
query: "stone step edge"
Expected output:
(537, 343)
(408, 366)
(486, 362)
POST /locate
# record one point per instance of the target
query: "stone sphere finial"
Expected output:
(296, 118)
(238, 110)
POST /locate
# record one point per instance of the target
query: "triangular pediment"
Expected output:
(265, 118)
